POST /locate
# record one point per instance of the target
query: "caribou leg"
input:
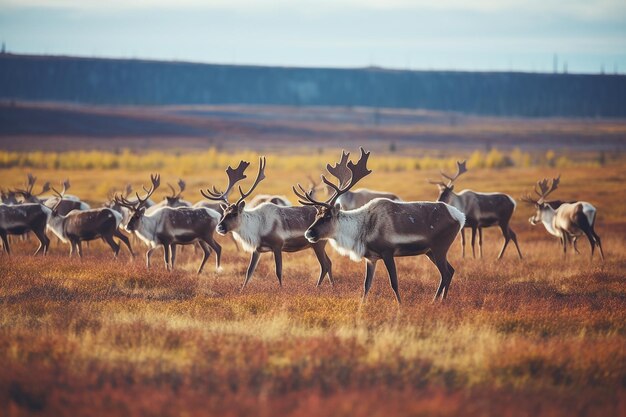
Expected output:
(206, 252)
(166, 255)
(5, 243)
(370, 268)
(218, 250)
(43, 241)
(278, 259)
(574, 245)
(442, 264)
(480, 242)
(121, 236)
(463, 242)
(598, 242)
(109, 239)
(507, 238)
(254, 260)
(325, 263)
(393, 276)
(514, 239)
(173, 255)
(473, 241)
(79, 246)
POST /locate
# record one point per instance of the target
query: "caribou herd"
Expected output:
(358, 223)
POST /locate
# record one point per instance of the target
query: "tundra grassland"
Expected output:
(538, 336)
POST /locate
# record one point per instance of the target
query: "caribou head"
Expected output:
(347, 174)
(543, 188)
(231, 217)
(446, 186)
(138, 208)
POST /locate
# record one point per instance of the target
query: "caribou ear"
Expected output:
(336, 208)
(241, 205)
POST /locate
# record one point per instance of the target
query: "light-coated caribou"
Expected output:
(84, 225)
(384, 229)
(168, 227)
(480, 209)
(568, 221)
(355, 198)
(22, 218)
(266, 227)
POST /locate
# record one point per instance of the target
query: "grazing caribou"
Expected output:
(22, 218)
(169, 226)
(359, 197)
(384, 229)
(567, 221)
(78, 226)
(267, 227)
(480, 209)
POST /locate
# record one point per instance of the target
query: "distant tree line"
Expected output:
(136, 82)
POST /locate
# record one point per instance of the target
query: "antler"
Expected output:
(234, 176)
(259, 177)
(460, 169)
(341, 170)
(357, 172)
(156, 182)
(45, 188)
(31, 183)
(181, 186)
(542, 188)
(66, 185)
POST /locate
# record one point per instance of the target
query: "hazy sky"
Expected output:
(418, 34)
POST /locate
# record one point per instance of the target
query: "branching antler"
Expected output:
(357, 172)
(542, 188)
(460, 170)
(181, 186)
(234, 176)
(260, 177)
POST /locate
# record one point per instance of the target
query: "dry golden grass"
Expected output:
(541, 336)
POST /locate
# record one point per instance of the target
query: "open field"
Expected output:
(541, 336)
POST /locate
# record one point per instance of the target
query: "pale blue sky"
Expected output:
(418, 34)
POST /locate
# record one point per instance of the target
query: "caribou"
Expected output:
(22, 218)
(267, 227)
(354, 199)
(169, 226)
(480, 209)
(8, 197)
(383, 228)
(567, 221)
(174, 200)
(63, 205)
(78, 226)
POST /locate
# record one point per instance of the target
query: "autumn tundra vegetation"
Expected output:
(96, 335)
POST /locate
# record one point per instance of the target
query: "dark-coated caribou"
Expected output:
(78, 226)
(267, 227)
(384, 229)
(22, 218)
(168, 227)
(356, 198)
(480, 209)
(567, 221)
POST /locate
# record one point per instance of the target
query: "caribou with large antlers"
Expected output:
(352, 199)
(78, 226)
(169, 226)
(568, 221)
(384, 229)
(267, 227)
(480, 209)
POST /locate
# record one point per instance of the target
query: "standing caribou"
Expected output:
(359, 197)
(267, 227)
(78, 226)
(168, 227)
(384, 229)
(567, 221)
(174, 200)
(480, 209)
(22, 218)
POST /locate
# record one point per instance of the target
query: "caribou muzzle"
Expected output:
(311, 236)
